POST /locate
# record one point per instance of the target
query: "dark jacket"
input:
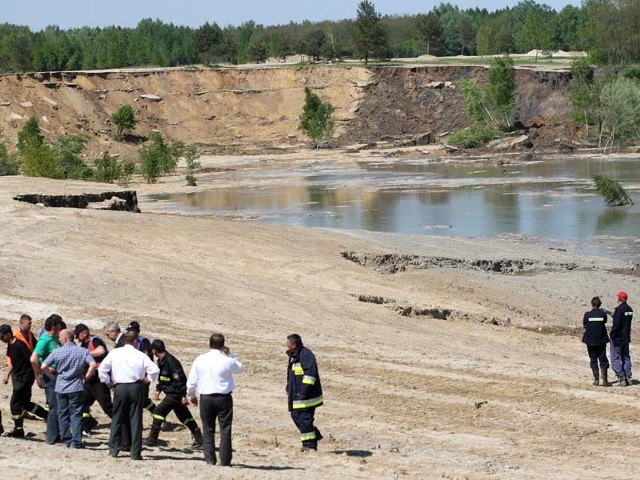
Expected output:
(303, 380)
(595, 330)
(19, 353)
(621, 328)
(172, 379)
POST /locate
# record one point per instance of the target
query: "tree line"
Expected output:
(607, 29)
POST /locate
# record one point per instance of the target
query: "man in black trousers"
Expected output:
(211, 376)
(127, 371)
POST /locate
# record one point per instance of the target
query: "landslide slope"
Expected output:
(256, 109)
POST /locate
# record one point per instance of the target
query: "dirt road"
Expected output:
(500, 389)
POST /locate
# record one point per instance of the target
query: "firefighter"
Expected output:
(173, 383)
(596, 338)
(620, 339)
(94, 389)
(304, 391)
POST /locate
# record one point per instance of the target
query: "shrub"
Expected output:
(612, 191)
(8, 163)
(40, 161)
(316, 117)
(67, 152)
(475, 136)
(191, 159)
(109, 170)
(30, 135)
(619, 111)
(124, 119)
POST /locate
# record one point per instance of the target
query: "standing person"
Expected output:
(22, 377)
(127, 371)
(24, 334)
(144, 345)
(70, 362)
(596, 338)
(94, 389)
(620, 339)
(46, 344)
(304, 391)
(211, 376)
(113, 332)
(173, 383)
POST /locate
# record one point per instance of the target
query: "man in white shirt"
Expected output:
(211, 376)
(127, 370)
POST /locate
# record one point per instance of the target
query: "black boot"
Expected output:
(627, 381)
(152, 439)
(1, 427)
(18, 428)
(603, 373)
(621, 381)
(596, 376)
(198, 439)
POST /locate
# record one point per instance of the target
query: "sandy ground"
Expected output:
(406, 397)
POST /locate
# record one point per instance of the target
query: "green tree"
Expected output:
(429, 31)
(316, 117)
(582, 91)
(502, 87)
(369, 33)
(66, 152)
(125, 119)
(193, 163)
(109, 170)
(157, 158)
(207, 38)
(30, 135)
(38, 160)
(612, 191)
(8, 163)
(619, 112)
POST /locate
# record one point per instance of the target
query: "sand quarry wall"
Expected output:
(258, 109)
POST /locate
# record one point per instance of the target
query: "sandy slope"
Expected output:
(407, 397)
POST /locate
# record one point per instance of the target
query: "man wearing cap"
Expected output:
(70, 362)
(211, 376)
(595, 338)
(94, 389)
(620, 339)
(304, 391)
(22, 377)
(127, 371)
(46, 344)
(173, 383)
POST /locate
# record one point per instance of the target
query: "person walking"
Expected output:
(94, 389)
(211, 376)
(47, 343)
(595, 338)
(70, 362)
(304, 391)
(620, 338)
(127, 371)
(173, 383)
(22, 377)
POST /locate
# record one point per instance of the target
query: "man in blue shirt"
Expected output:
(70, 362)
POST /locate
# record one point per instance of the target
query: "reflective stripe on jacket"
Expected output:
(303, 380)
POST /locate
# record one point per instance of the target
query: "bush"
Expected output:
(30, 135)
(612, 191)
(619, 111)
(109, 170)
(475, 136)
(191, 159)
(316, 117)
(67, 152)
(124, 119)
(8, 163)
(40, 161)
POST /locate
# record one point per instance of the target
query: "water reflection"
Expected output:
(553, 200)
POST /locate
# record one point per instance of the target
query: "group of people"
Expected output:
(75, 376)
(596, 338)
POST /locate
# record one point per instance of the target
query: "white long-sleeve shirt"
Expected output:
(212, 372)
(127, 365)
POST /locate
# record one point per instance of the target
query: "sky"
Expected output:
(37, 14)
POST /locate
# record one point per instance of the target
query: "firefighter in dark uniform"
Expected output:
(173, 383)
(94, 389)
(596, 338)
(620, 339)
(304, 391)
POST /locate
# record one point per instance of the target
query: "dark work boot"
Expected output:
(1, 427)
(627, 381)
(198, 440)
(603, 373)
(18, 429)
(152, 439)
(596, 376)
(621, 381)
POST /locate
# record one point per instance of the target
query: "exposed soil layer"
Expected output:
(122, 201)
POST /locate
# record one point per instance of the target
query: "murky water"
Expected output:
(552, 200)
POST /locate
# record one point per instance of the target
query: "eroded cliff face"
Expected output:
(253, 110)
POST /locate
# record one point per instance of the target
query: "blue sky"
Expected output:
(126, 13)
